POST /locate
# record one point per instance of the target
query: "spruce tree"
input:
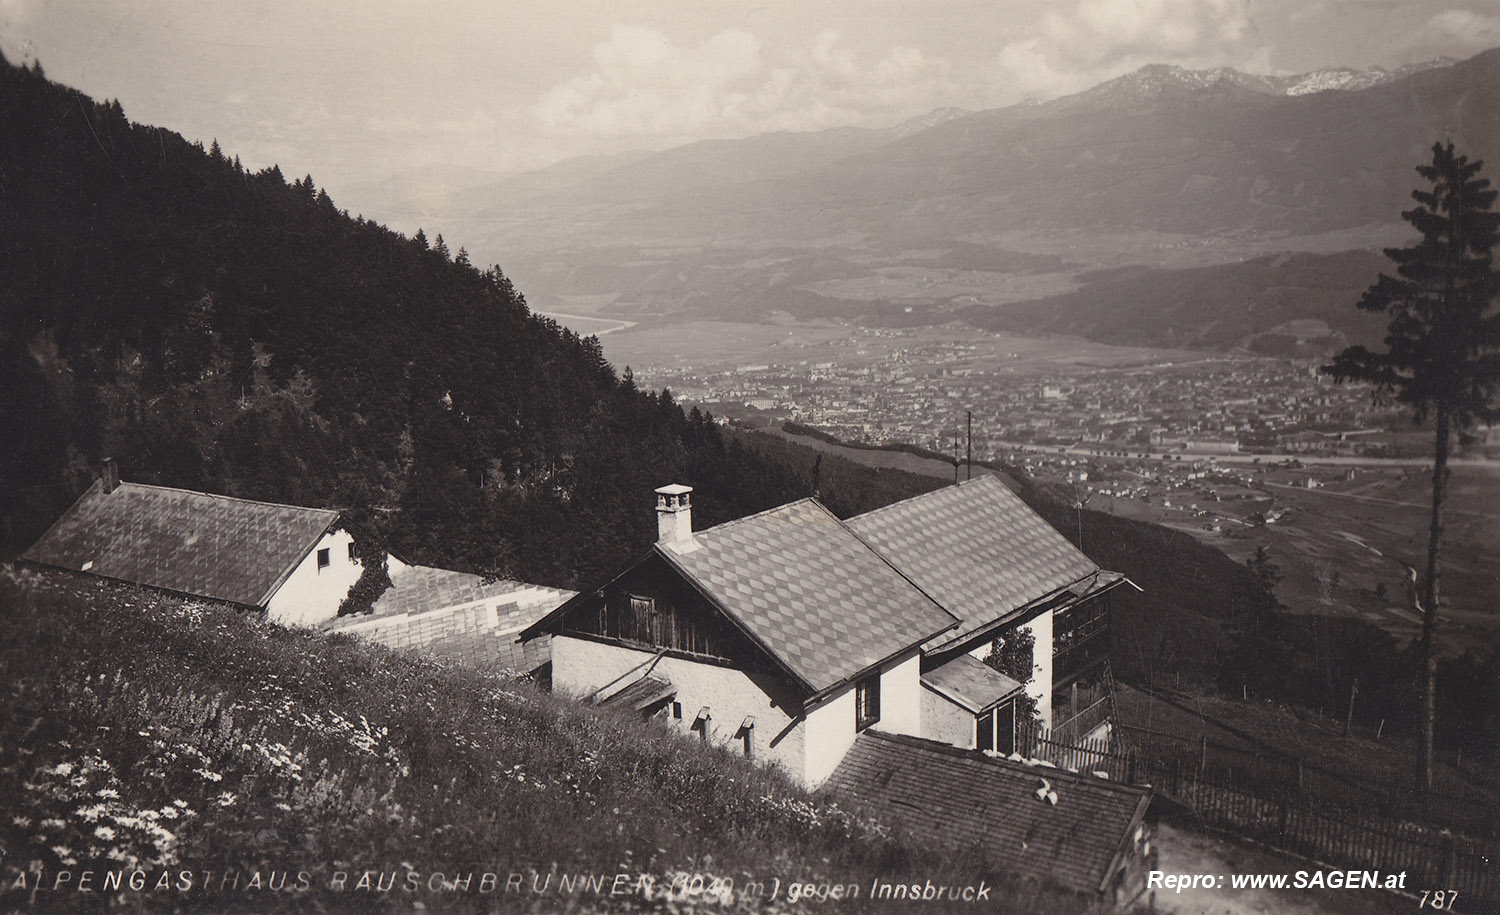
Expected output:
(1442, 355)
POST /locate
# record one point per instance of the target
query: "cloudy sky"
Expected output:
(353, 92)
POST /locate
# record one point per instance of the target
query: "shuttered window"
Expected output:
(866, 702)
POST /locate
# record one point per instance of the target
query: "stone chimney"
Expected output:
(674, 517)
(110, 475)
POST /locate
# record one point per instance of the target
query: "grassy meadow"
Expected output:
(166, 754)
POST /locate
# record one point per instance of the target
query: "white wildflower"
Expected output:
(104, 832)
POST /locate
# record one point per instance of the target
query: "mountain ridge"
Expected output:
(1165, 168)
(1146, 80)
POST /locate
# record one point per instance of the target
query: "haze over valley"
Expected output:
(1157, 208)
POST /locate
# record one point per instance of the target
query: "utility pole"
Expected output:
(969, 453)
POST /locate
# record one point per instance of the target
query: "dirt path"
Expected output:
(1184, 851)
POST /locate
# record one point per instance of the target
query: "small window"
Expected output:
(323, 560)
(677, 710)
(866, 702)
(351, 551)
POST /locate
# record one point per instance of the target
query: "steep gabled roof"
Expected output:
(966, 799)
(809, 591)
(803, 589)
(194, 543)
(977, 549)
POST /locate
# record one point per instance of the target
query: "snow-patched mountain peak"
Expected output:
(1154, 79)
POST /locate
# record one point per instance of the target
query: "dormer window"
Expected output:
(867, 702)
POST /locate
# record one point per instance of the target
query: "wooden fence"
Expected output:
(1470, 812)
(1432, 858)
(1289, 806)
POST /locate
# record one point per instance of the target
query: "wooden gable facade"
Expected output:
(652, 608)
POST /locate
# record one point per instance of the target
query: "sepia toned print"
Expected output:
(1033, 457)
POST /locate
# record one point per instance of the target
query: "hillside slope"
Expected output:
(228, 331)
(251, 765)
(1268, 304)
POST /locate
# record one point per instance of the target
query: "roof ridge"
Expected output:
(1045, 771)
(922, 495)
(216, 495)
(766, 511)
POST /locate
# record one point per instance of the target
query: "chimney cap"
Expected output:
(674, 489)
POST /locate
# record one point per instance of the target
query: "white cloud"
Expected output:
(643, 85)
(1476, 29)
(1082, 42)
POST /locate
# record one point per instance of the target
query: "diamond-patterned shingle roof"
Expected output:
(190, 542)
(965, 799)
(824, 603)
(976, 548)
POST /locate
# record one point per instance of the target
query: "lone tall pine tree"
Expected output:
(1442, 353)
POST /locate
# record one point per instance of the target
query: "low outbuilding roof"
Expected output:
(998, 808)
(970, 683)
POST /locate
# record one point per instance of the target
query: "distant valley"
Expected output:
(1164, 179)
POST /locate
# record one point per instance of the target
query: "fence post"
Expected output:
(1450, 858)
(1299, 775)
(1281, 823)
(1202, 754)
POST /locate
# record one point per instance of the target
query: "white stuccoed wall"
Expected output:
(1040, 685)
(944, 720)
(830, 726)
(809, 751)
(580, 667)
(312, 595)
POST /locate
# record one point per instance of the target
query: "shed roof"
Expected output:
(970, 683)
(422, 589)
(976, 548)
(194, 543)
(811, 592)
(966, 799)
(642, 694)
